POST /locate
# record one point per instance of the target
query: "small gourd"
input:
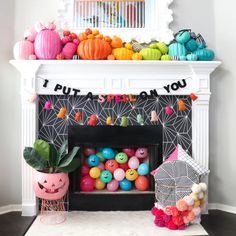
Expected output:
(182, 58)
(166, 57)
(122, 53)
(137, 56)
(150, 54)
(192, 57)
(23, 49)
(162, 47)
(204, 54)
(177, 49)
(191, 45)
(182, 37)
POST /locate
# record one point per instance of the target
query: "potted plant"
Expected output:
(50, 180)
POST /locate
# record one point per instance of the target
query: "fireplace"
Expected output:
(115, 137)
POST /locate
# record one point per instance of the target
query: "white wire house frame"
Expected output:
(142, 20)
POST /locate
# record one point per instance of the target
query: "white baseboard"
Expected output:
(222, 207)
(10, 208)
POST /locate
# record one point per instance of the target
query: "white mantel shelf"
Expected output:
(112, 77)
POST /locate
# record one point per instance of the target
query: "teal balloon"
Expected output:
(143, 169)
(125, 184)
(100, 149)
(93, 160)
(108, 153)
(106, 176)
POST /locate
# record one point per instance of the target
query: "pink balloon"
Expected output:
(113, 185)
(101, 166)
(133, 162)
(141, 153)
(129, 151)
(119, 174)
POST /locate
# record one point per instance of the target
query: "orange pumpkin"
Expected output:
(99, 36)
(91, 36)
(137, 56)
(82, 36)
(111, 57)
(94, 49)
(107, 39)
(116, 42)
(122, 53)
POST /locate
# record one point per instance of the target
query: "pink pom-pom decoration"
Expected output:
(181, 205)
(159, 222)
(47, 44)
(69, 50)
(182, 227)
(177, 220)
(166, 218)
(170, 225)
(196, 211)
(189, 200)
(186, 220)
(191, 216)
(197, 220)
(23, 49)
(174, 211)
(167, 210)
(157, 212)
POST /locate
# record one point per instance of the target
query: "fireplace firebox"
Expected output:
(114, 137)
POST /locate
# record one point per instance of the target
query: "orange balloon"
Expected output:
(111, 165)
(142, 183)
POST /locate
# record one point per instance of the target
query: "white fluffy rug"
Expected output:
(115, 223)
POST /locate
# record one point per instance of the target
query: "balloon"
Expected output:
(85, 169)
(87, 184)
(106, 176)
(113, 185)
(93, 160)
(100, 149)
(133, 162)
(124, 166)
(143, 169)
(125, 185)
(119, 174)
(129, 151)
(89, 151)
(141, 153)
(108, 153)
(99, 154)
(99, 185)
(111, 165)
(94, 172)
(131, 174)
(142, 183)
(101, 166)
(121, 157)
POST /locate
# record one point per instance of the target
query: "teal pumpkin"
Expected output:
(191, 45)
(192, 57)
(183, 37)
(204, 54)
(182, 58)
(177, 49)
(150, 54)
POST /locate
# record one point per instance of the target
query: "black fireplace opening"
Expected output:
(116, 138)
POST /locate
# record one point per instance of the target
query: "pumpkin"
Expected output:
(182, 58)
(69, 50)
(122, 53)
(192, 57)
(23, 49)
(50, 186)
(162, 47)
(47, 44)
(60, 56)
(204, 54)
(107, 39)
(82, 36)
(150, 54)
(111, 57)
(116, 42)
(177, 49)
(137, 56)
(166, 58)
(94, 49)
(191, 45)
(183, 37)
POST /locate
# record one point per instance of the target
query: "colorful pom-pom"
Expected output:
(203, 187)
(170, 225)
(157, 212)
(181, 227)
(159, 222)
(181, 205)
(197, 203)
(201, 195)
(190, 216)
(196, 211)
(194, 196)
(177, 220)
(166, 218)
(174, 211)
(196, 188)
(189, 200)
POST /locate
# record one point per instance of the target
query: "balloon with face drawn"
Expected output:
(121, 157)
(93, 160)
(131, 174)
(105, 176)
(141, 153)
(50, 186)
(111, 165)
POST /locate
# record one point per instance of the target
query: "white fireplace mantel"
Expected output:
(113, 77)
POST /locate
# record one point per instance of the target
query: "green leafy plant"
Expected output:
(44, 157)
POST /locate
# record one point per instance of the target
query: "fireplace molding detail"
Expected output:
(112, 77)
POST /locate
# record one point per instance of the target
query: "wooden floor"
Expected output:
(217, 223)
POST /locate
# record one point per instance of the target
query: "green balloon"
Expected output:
(121, 157)
(99, 154)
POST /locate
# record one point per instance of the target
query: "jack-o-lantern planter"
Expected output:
(50, 186)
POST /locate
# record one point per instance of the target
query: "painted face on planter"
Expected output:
(121, 157)
(50, 186)
(106, 176)
(141, 153)
(131, 174)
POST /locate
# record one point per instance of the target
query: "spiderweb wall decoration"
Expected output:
(177, 128)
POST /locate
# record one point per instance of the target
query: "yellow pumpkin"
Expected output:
(137, 56)
(122, 53)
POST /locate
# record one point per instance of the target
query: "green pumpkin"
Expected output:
(150, 54)
(166, 58)
(162, 47)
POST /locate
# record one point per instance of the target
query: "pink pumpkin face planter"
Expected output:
(141, 153)
(50, 186)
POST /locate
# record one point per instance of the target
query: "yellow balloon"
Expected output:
(99, 185)
(131, 174)
(94, 172)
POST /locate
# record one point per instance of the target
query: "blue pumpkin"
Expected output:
(191, 45)
(183, 37)
(177, 49)
(204, 54)
(192, 57)
(182, 58)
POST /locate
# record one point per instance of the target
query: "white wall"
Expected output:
(213, 18)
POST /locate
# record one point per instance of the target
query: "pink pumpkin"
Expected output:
(23, 49)
(47, 44)
(50, 186)
(30, 34)
(69, 50)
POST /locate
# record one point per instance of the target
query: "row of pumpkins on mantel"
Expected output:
(43, 42)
